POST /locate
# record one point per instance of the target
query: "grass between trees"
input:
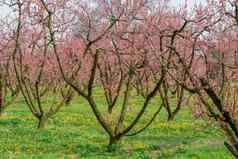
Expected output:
(74, 133)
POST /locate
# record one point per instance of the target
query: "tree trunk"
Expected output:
(1, 94)
(112, 142)
(1, 110)
(42, 123)
(172, 116)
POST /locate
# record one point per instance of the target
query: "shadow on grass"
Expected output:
(10, 122)
(91, 150)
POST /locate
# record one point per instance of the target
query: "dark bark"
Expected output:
(231, 127)
(233, 150)
(174, 113)
(113, 140)
(42, 123)
(219, 105)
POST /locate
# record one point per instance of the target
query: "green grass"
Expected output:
(74, 133)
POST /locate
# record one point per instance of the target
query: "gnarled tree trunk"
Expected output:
(42, 123)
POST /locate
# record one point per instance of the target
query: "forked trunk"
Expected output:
(112, 142)
(110, 110)
(42, 123)
(172, 116)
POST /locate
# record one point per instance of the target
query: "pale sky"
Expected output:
(4, 10)
(190, 2)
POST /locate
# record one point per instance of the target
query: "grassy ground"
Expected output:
(74, 133)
